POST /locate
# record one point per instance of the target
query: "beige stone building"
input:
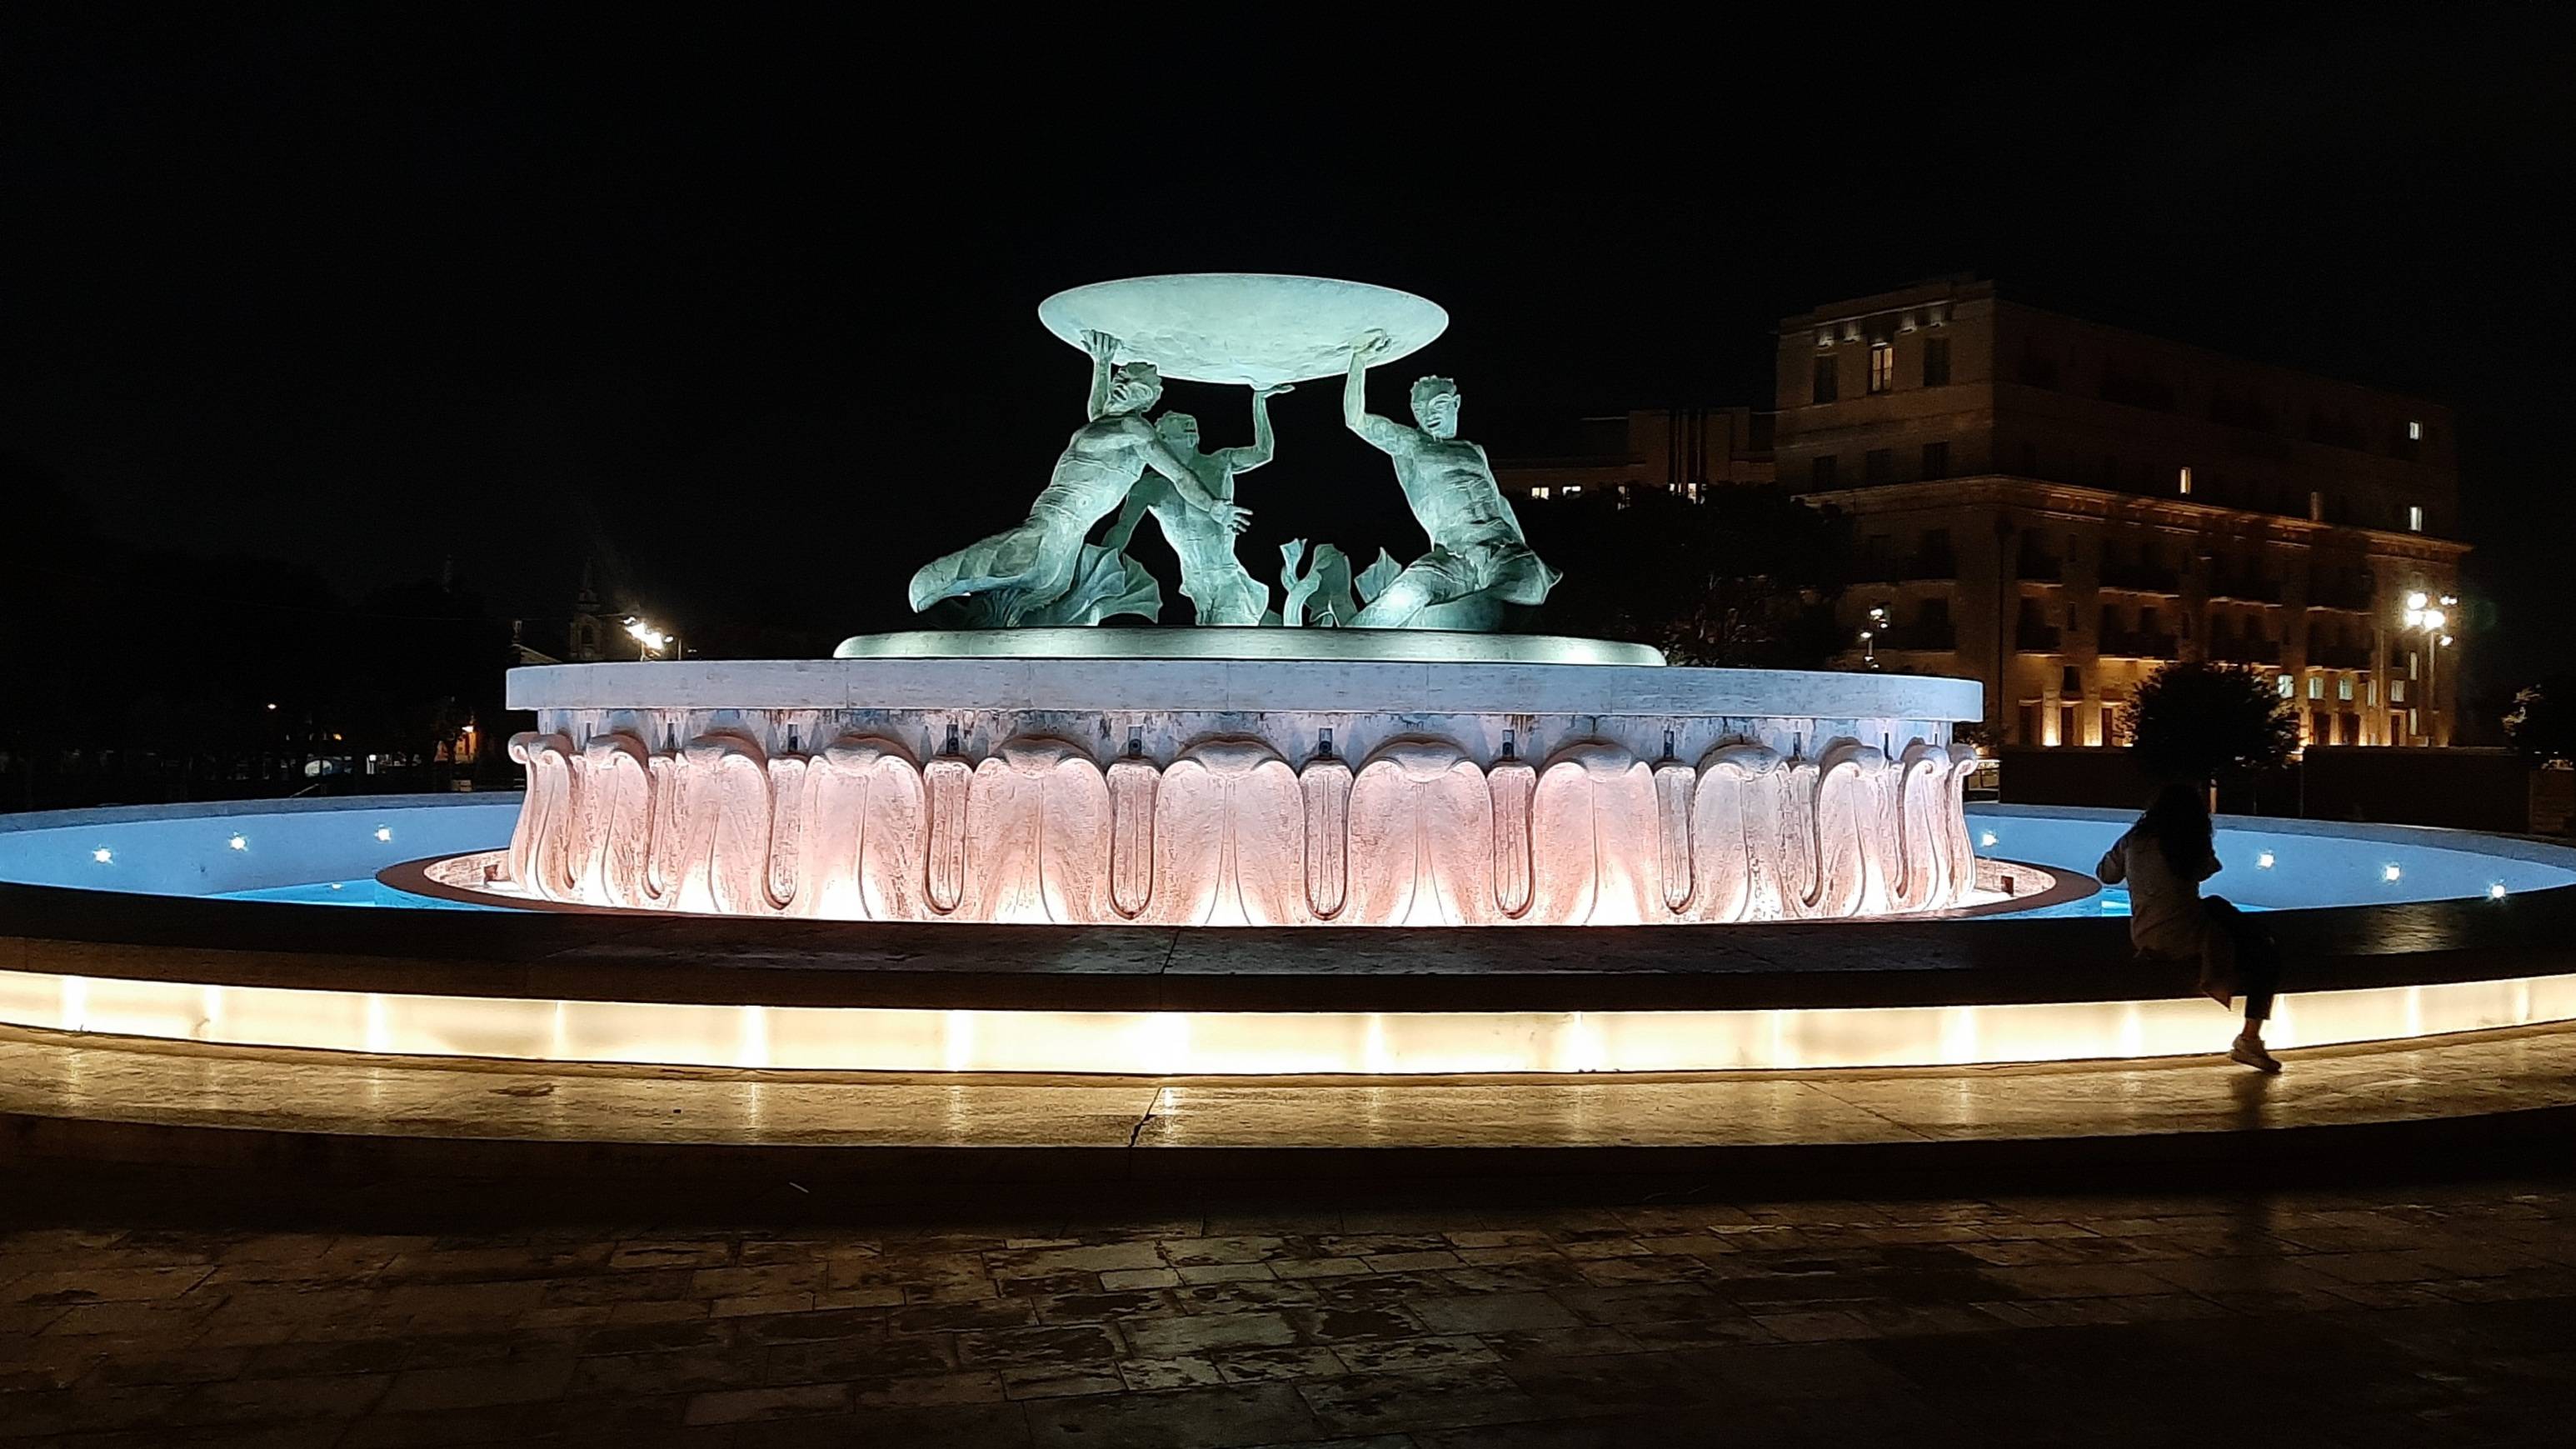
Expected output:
(2057, 507)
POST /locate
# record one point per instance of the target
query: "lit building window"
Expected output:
(2414, 518)
(2289, 686)
(2414, 432)
(1882, 366)
(2184, 481)
(1573, 489)
(1540, 492)
(2343, 689)
(2316, 686)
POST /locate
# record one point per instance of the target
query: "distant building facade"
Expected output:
(2057, 507)
(1684, 451)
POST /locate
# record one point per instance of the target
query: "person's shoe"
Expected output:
(2251, 1053)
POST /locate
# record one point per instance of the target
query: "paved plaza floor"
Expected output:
(2430, 1314)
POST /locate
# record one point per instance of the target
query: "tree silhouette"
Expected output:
(1745, 577)
(2194, 720)
(2543, 723)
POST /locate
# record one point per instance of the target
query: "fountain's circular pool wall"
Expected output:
(1381, 787)
(90, 951)
(296, 850)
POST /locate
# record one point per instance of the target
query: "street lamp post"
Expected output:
(2433, 620)
(651, 641)
(1869, 637)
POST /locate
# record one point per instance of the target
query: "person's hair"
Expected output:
(2178, 822)
(1427, 388)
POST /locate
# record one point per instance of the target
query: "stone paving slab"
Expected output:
(53, 1079)
(2345, 1317)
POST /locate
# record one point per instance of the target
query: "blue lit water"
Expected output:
(362, 892)
(2109, 901)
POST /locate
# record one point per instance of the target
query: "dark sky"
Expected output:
(746, 313)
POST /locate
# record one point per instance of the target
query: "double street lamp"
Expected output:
(2432, 618)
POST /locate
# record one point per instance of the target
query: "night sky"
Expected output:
(746, 314)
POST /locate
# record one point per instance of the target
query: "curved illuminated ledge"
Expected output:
(1188, 1043)
(1386, 646)
(546, 987)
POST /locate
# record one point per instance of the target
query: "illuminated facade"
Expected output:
(2057, 507)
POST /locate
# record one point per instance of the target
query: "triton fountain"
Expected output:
(683, 882)
(1369, 750)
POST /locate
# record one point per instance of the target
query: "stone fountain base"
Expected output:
(1270, 792)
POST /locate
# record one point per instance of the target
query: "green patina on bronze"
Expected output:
(1265, 332)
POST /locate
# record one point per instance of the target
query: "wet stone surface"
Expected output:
(2432, 1315)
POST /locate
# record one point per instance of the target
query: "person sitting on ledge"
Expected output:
(2163, 859)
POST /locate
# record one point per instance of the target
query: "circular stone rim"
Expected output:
(1052, 314)
(1247, 686)
(2055, 886)
(1173, 641)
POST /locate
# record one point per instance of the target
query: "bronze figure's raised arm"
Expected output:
(1479, 561)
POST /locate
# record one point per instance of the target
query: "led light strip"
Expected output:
(1228, 1043)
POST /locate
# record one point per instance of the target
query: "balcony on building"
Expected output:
(1923, 636)
(2354, 594)
(1931, 563)
(2244, 588)
(2252, 649)
(2139, 644)
(2139, 578)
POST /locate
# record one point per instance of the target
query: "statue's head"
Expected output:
(1435, 406)
(1134, 387)
(1180, 430)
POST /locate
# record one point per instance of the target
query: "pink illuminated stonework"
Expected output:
(1354, 797)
